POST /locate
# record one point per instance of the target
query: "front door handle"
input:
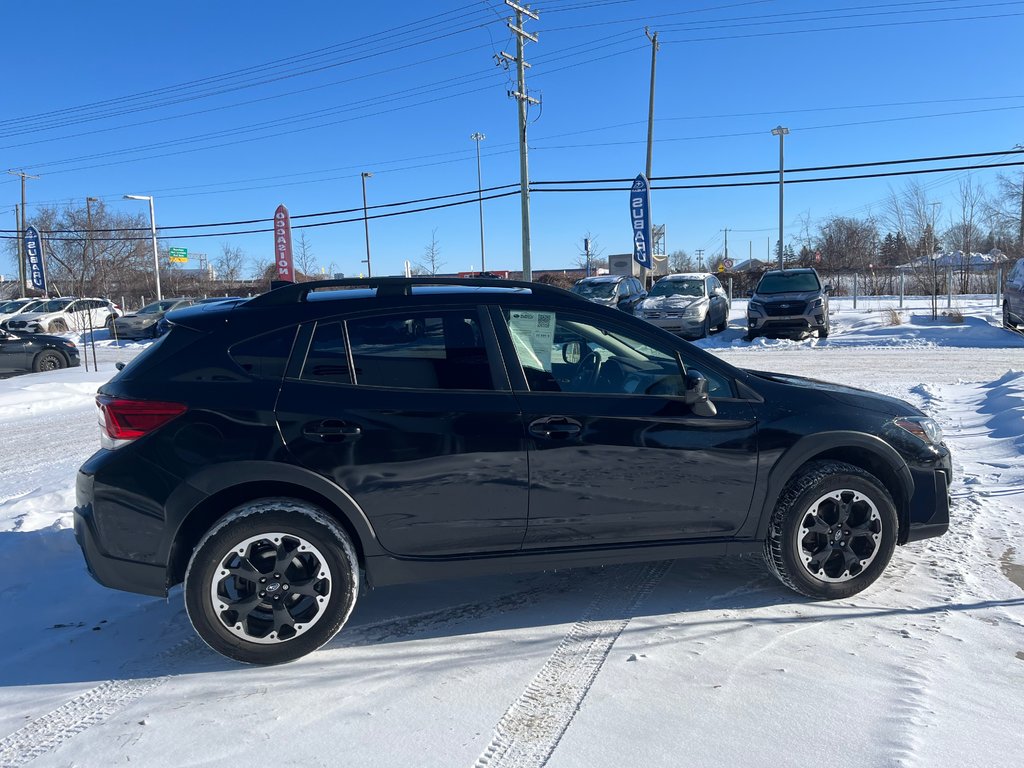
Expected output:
(555, 428)
(331, 430)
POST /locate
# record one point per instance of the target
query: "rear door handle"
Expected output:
(555, 428)
(331, 431)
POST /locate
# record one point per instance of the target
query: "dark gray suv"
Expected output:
(788, 302)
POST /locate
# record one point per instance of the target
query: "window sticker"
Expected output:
(533, 334)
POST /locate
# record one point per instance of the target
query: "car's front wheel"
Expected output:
(48, 360)
(1008, 317)
(272, 581)
(833, 531)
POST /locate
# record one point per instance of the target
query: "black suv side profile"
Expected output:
(275, 454)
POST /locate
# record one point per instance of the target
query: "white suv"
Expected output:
(14, 307)
(67, 314)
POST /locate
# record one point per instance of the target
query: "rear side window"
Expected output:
(409, 350)
(264, 356)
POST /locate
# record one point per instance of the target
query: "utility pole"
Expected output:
(21, 256)
(366, 224)
(650, 136)
(21, 229)
(700, 259)
(478, 137)
(781, 133)
(726, 231)
(524, 99)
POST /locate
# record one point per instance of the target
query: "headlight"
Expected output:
(755, 305)
(696, 310)
(69, 344)
(817, 303)
(921, 427)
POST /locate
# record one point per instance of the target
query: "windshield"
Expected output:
(10, 306)
(156, 307)
(677, 288)
(787, 282)
(602, 290)
(53, 305)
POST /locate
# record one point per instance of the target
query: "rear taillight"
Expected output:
(123, 420)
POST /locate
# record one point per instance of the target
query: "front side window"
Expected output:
(594, 290)
(571, 353)
(410, 350)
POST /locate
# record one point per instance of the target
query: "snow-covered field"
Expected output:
(693, 663)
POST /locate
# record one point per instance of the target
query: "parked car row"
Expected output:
(59, 315)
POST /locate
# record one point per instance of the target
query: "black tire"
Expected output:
(266, 614)
(1007, 317)
(823, 330)
(49, 360)
(109, 323)
(749, 336)
(705, 329)
(813, 548)
(58, 326)
(725, 322)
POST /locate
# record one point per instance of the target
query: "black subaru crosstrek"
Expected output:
(274, 454)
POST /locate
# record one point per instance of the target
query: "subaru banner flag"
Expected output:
(34, 268)
(640, 217)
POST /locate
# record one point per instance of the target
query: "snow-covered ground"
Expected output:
(695, 663)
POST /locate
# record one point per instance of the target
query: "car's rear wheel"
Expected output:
(48, 360)
(833, 531)
(272, 581)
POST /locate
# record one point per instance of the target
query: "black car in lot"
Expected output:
(24, 352)
(622, 291)
(788, 302)
(275, 454)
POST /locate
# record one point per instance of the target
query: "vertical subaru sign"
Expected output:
(34, 259)
(640, 217)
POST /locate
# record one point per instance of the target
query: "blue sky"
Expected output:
(397, 88)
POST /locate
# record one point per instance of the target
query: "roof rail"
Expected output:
(296, 293)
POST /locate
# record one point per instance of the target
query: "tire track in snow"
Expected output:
(97, 704)
(90, 708)
(530, 730)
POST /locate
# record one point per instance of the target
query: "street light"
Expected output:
(478, 137)
(152, 226)
(781, 133)
(366, 224)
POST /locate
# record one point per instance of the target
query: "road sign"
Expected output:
(728, 263)
(721, 267)
(178, 255)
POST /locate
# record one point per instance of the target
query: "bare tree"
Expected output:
(230, 263)
(431, 262)
(305, 261)
(680, 261)
(964, 229)
(596, 259)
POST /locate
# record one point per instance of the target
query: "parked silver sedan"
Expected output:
(143, 324)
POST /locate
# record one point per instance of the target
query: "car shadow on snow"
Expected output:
(110, 635)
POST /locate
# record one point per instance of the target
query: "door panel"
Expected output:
(437, 469)
(616, 455)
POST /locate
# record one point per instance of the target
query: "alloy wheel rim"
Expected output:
(839, 536)
(270, 588)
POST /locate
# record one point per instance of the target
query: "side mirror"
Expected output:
(697, 394)
(749, 294)
(571, 352)
(119, 365)
(828, 288)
